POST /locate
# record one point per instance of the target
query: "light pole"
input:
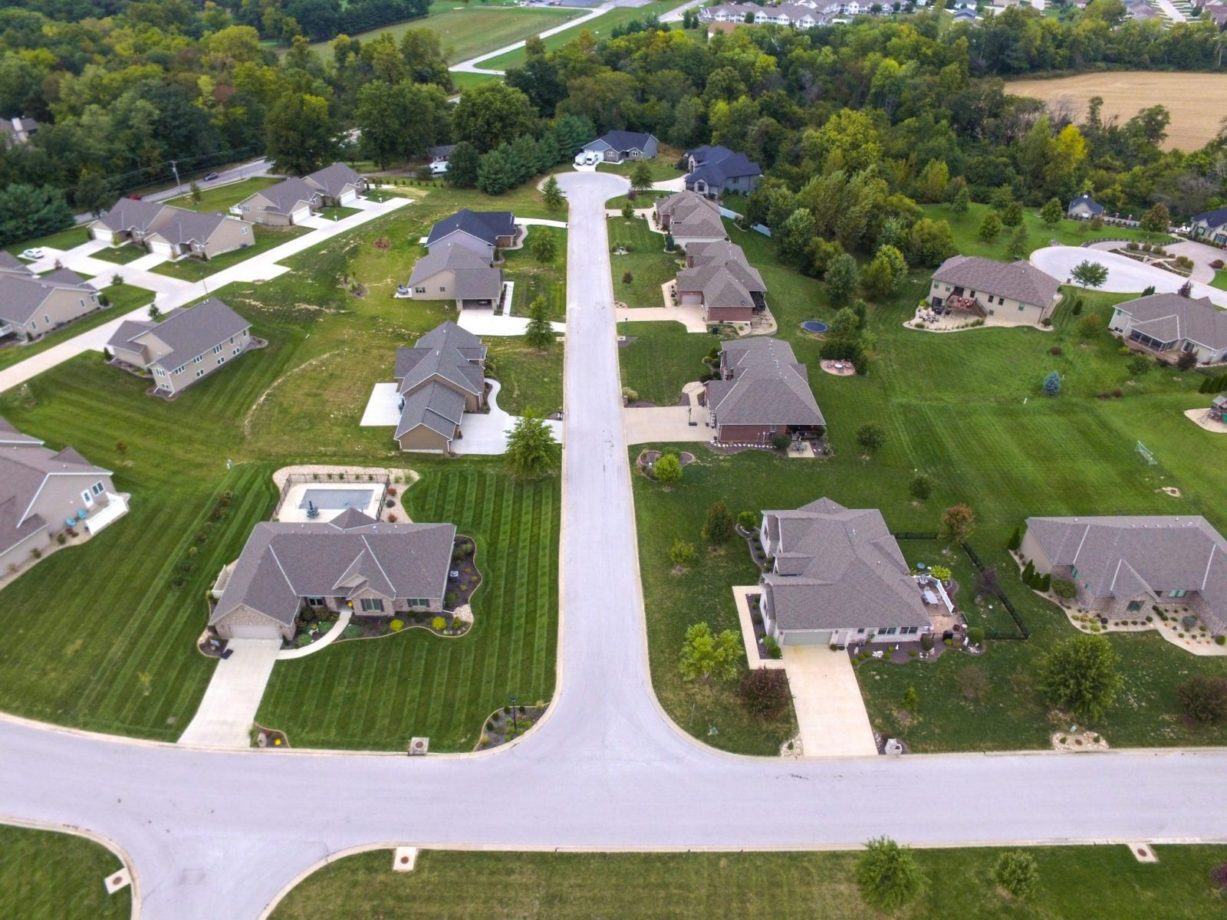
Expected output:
(175, 167)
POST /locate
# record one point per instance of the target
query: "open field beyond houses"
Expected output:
(1196, 101)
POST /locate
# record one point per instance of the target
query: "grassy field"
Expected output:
(117, 654)
(221, 197)
(534, 278)
(124, 298)
(1194, 100)
(50, 876)
(466, 30)
(966, 229)
(967, 409)
(1075, 882)
(119, 255)
(646, 260)
(663, 167)
(531, 378)
(1220, 280)
(661, 359)
(63, 239)
(195, 269)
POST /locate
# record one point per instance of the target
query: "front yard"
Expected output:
(658, 359)
(189, 269)
(644, 260)
(534, 278)
(53, 876)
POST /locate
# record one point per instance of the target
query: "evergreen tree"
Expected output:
(540, 332)
(531, 448)
(463, 166)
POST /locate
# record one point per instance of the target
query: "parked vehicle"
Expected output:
(581, 158)
(32, 254)
(209, 177)
(438, 168)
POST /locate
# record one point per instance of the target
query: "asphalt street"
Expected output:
(211, 835)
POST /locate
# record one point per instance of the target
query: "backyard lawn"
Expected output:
(195, 269)
(52, 876)
(645, 259)
(62, 239)
(220, 198)
(968, 410)
(124, 299)
(1075, 882)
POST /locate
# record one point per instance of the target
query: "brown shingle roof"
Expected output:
(1019, 281)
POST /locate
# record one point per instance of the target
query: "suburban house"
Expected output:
(761, 394)
(689, 218)
(837, 577)
(44, 492)
(337, 185)
(186, 345)
(440, 153)
(458, 268)
(1084, 207)
(1122, 566)
(17, 131)
(1210, 226)
(496, 229)
(439, 379)
(718, 278)
(714, 170)
(375, 568)
(289, 202)
(1169, 324)
(32, 305)
(796, 15)
(170, 231)
(617, 146)
(1015, 291)
(1216, 12)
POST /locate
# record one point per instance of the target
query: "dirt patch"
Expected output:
(1169, 490)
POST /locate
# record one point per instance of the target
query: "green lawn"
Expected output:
(534, 278)
(966, 408)
(531, 379)
(120, 255)
(663, 167)
(1075, 883)
(646, 260)
(1220, 280)
(52, 876)
(966, 228)
(220, 198)
(63, 239)
(661, 358)
(124, 298)
(338, 213)
(378, 693)
(195, 269)
(466, 30)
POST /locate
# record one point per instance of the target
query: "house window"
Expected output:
(221, 359)
(200, 373)
(314, 601)
(96, 488)
(238, 349)
(245, 231)
(889, 631)
(217, 349)
(372, 605)
(1134, 606)
(198, 359)
(180, 369)
(47, 316)
(1177, 594)
(418, 602)
(419, 290)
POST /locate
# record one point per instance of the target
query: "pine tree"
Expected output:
(540, 333)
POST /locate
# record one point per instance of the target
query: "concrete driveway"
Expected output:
(827, 700)
(486, 432)
(1125, 275)
(229, 705)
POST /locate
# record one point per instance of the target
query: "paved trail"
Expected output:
(212, 835)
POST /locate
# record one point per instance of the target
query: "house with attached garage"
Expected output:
(836, 576)
(44, 493)
(439, 379)
(1122, 566)
(281, 205)
(618, 146)
(689, 218)
(714, 170)
(762, 393)
(32, 305)
(495, 229)
(188, 344)
(719, 278)
(1169, 325)
(353, 562)
(1210, 226)
(170, 231)
(1084, 207)
(338, 185)
(460, 268)
(1014, 292)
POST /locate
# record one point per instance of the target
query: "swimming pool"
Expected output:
(337, 499)
(813, 325)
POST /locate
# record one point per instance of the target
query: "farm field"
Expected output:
(967, 409)
(117, 654)
(466, 30)
(1073, 882)
(52, 876)
(124, 299)
(1195, 101)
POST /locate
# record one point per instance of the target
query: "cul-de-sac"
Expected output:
(613, 459)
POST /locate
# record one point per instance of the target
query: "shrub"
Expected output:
(1015, 539)
(627, 277)
(1187, 360)
(1063, 587)
(1080, 674)
(683, 553)
(667, 469)
(1218, 640)
(1017, 872)
(781, 441)
(764, 692)
(61, 539)
(921, 486)
(975, 635)
(1138, 365)
(1204, 699)
(772, 647)
(719, 525)
(1028, 573)
(888, 876)
(352, 631)
(396, 625)
(438, 624)
(748, 520)
(1056, 351)
(927, 642)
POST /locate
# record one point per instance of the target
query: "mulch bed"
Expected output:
(501, 727)
(468, 579)
(268, 738)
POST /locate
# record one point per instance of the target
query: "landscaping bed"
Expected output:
(508, 723)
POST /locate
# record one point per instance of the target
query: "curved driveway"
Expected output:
(1125, 275)
(221, 834)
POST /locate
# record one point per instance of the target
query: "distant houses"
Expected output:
(44, 493)
(1210, 226)
(619, 146)
(1016, 292)
(170, 231)
(32, 305)
(189, 344)
(716, 170)
(762, 393)
(16, 131)
(720, 279)
(460, 264)
(294, 200)
(689, 218)
(1084, 207)
(439, 379)
(1169, 325)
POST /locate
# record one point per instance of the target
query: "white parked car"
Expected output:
(581, 158)
(593, 158)
(32, 254)
(438, 168)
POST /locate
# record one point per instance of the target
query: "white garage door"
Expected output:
(347, 197)
(161, 248)
(254, 631)
(102, 233)
(300, 215)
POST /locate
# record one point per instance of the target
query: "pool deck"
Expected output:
(294, 507)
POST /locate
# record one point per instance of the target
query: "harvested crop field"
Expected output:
(1196, 101)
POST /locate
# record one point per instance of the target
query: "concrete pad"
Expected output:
(827, 700)
(404, 859)
(1143, 852)
(229, 706)
(1125, 275)
(483, 322)
(383, 408)
(666, 424)
(1201, 418)
(754, 661)
(541, 222)
(117, 881)
(486, 433)
(690, 317)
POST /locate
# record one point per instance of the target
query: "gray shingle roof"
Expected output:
(691, 215)
(131, 214)
(434, 375)
(486, 226)
(179, 225)
(624, 140)
(285, 562)
(1091, 204)
(10, 263)
(1124, 556)
(717, 164)
(22, 295)
(1171, 318)
(475, 277)
(185, 332)
(838, 568)
(722, 274)
(288, 195)
(1215, 218)
(435, 406)
(768, 386)
(1019, 281)
(332, 179)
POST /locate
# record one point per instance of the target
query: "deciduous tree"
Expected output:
(1079, 674)
(531, 448)
(958, 522)
(888, 876)
(706, 655)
